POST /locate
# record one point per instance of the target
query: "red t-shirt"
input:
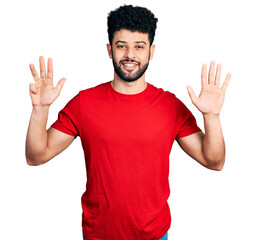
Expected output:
(126, 140)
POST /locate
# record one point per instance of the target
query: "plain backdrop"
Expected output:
(44, 202)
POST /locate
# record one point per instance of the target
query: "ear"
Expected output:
(152, 50)
(109, 50)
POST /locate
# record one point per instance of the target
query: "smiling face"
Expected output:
(130, 53)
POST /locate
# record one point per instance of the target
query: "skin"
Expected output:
(42, 145)
(133, 46)
(209, 148)
(128, 47)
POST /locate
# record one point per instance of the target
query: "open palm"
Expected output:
(42, 92)
(211, 97)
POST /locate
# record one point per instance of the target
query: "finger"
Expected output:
(32, 88)
(226, 82)
(42, 67)
(192, 94)
(211, 73)
(60, 84)
(34, 73)
(50, 69)
(204, 75)
(218, 75)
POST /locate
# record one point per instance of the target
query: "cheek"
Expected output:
(144, 57)
(117, 56)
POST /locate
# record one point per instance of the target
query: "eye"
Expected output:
(139, 47)
(120, 46)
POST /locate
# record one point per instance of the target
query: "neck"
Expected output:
(129, 87)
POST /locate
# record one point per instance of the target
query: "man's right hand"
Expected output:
(42, 92)
(42, 145)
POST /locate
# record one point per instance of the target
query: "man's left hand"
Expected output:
(211, 97)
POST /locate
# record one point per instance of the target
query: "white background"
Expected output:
(43, 202)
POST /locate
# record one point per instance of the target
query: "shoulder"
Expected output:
(160, 92)
(169, 96)
(174, 103)
(95, 89)
(98, 91)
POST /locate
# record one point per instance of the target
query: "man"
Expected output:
(127, 127)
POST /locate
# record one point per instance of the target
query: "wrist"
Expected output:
(41, 108)
(39, 115)
(211, 116)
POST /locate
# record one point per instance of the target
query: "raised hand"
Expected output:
(211, 97)
(42, 92)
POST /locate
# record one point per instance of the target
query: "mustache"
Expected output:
(129, 60)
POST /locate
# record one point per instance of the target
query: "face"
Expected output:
(130, 53)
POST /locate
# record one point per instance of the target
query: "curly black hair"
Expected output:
(132, 18)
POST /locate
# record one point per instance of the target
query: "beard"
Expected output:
(129, 76)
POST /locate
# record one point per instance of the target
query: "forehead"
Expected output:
(129, 36)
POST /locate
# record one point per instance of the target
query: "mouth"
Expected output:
(129, 65)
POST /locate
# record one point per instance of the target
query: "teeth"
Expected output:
(129, 64)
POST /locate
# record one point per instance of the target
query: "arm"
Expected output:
(42, 145)
(209, 148)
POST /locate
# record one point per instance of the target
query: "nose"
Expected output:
(129, 53)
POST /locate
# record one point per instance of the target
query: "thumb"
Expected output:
(60, 84)
(192, 94)
(32, 88)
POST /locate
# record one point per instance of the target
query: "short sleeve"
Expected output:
(185, 122)
(68, 118)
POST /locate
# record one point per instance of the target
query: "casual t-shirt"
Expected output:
(127, 139)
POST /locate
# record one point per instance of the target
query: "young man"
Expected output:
(127, 127)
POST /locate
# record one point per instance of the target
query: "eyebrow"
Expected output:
(126, 42)
(141, 42)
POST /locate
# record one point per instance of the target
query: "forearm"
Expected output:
(36, 142)
(213, 143)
